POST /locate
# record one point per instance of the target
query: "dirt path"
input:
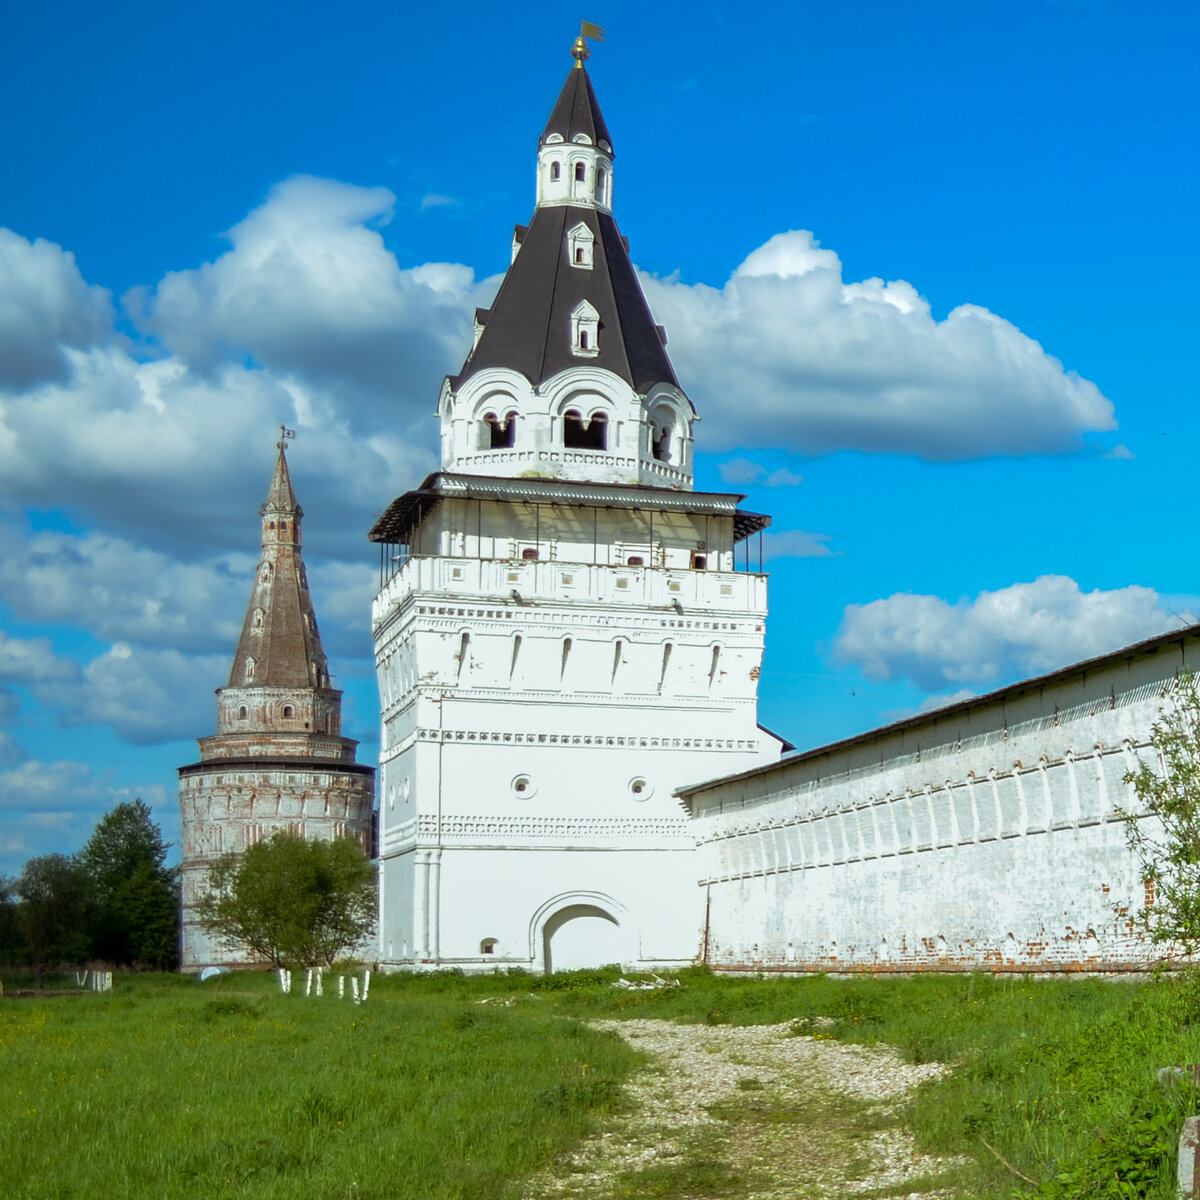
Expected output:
(753, 1112)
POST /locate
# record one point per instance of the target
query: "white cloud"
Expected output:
(795, 543)
(52, 807)
(1018, 631)
(145, 696)
(787, 353)
(45, 307)
(1121, 451)
(117, 590)
(33, 661)
(160, 454)
(310, 291)
(46, 787)
(11, 752)
(782, 478)
(743, 472)
(434, 200)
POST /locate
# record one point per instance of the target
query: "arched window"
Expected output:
(500, 434)
(585, 329)
(488, 946)
(243, 713)
(581, 244)
(249, 670)
(578, 435)
(580, 172)
(601, 178)
(555, 172)
(288, 711)
(660, 440)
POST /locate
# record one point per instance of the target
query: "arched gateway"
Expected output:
(582, 929)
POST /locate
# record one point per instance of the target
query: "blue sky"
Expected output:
(927, 269)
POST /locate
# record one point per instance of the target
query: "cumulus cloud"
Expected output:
(309, 290)
(1022, 630)
(46, 308)
(11, 752)
(117, 590)
(48, 807)
(743, 472)
(789, 353)
(33, 661)
(158, 447)
(145, 696)
(795, 543)
(163, 454)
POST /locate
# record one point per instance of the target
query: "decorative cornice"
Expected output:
(621, 833)
(595, 740)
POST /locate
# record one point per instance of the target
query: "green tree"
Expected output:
(137, 896)
(291, 901)
(11, 943)
(1165, 834)
(56, 909)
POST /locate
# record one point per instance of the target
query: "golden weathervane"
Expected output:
(580, 50)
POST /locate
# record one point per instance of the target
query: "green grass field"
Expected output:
(170, 1088)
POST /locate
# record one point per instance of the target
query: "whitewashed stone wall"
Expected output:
(986, 835)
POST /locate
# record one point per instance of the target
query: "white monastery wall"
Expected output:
(984, 835)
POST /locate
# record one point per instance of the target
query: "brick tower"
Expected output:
(278, 760)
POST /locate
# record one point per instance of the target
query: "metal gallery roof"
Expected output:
(404, 513)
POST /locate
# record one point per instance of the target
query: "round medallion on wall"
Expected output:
(639, 789)
(523, 786)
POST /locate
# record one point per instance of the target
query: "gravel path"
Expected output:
(783, 1115)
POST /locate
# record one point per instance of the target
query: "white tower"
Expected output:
(562, 636)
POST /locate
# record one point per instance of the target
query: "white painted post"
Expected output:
(341, 986)
(282, 980)
(320, 981)
(1188, 1165)
(308, 981)
(354, 989)
(366, 983)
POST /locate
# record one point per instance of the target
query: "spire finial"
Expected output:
(285, 435)
(580, 51)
